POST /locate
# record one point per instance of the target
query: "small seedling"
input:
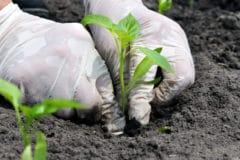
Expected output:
(124, 34)
(164, 5)
(166, 130)
(28, 118)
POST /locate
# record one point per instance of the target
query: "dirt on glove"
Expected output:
(204, 120)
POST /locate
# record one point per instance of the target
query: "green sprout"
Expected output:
(28, 118)
(124, 34)
(166, 130)
(164, 5)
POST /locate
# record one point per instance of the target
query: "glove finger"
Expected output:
(176, 50)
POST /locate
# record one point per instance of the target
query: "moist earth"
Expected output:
(204, 119)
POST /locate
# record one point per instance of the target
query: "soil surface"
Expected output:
(204, 120)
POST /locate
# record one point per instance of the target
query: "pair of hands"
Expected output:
(156, 31)
(49, 59)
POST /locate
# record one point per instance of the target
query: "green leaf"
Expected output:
(27, 153)
(50, 106)
(10, 92)
(27, 111)
(62, 103)
(40, 152)
(128, 29)
(134, 84)
(164, 5)
(39, 110)
(34, 112)
(165, 129)
(156, 58)
(98, 20)
(155, 81)
(159, 50)
(142, 68)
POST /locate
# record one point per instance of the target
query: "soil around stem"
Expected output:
(204, 120)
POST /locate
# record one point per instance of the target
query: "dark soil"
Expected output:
(204, 120)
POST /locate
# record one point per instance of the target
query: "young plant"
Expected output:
(164, 5)
(166, 130)
(28, 125)
(125, 32)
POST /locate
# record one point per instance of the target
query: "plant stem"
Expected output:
(27, 129)
(20, 126)
(34, 128)
(121, 55)
(122, 82)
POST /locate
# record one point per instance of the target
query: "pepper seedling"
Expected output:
(166, 130)
(124, 33)
(28, 118)
(164, 5)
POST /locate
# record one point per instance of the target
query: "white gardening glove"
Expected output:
(48, 59)
(156, 31)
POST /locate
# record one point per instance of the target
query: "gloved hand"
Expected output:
(53, 60)
(156, 31)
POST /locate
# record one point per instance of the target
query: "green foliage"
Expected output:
(41, 147)
(142, 68)
(157, 59)
(166, 130)
(164, 5)
(10, 92)
(100, 20)
(124, 34)
(127, 30)
(27, 153)
(32, 116)
(48, 107)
